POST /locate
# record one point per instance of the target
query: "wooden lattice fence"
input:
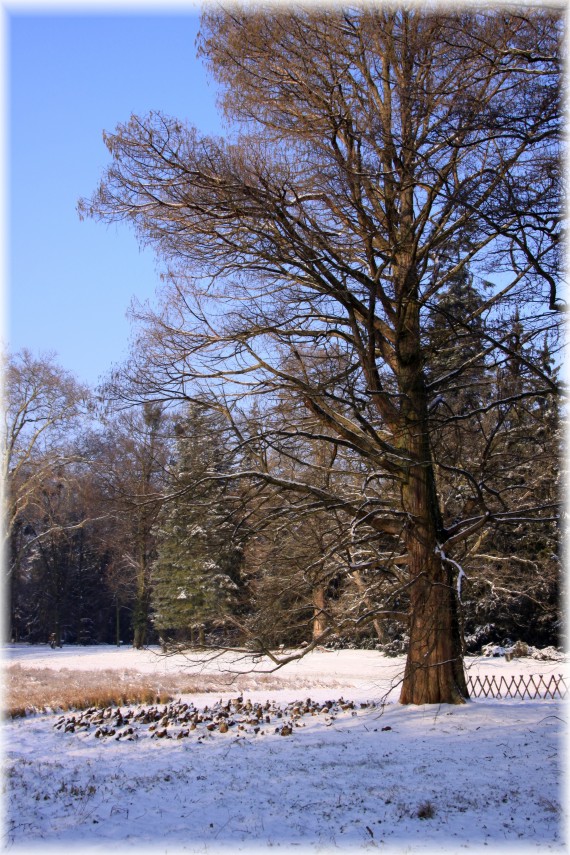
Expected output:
(523, 686)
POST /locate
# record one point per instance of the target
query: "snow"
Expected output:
(461, 574)
(483, 777)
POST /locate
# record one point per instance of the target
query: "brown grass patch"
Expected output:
(29, 690)
(43, 689)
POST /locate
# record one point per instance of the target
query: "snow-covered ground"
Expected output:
(484, 777)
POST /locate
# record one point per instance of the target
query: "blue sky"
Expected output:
(70, 76)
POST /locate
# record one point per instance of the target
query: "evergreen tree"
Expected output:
(455, 346)
(489, 459)
(195, 573)
(515, 569)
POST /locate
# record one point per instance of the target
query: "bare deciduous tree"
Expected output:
(129, 462)
(370, 142)
(44, 407)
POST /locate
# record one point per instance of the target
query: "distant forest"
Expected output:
(126, 526)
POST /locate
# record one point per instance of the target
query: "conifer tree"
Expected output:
(455, 347)
(196, 568)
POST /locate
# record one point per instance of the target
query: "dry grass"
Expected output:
(28, 690)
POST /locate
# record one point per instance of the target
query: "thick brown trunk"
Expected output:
(434, 668)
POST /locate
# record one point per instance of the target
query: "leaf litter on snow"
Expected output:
(180, 719)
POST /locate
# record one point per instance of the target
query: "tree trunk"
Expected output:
(139, 637)
(434, 668)
(13, 629)
(140, 617)
(319, 614)
(376, 623)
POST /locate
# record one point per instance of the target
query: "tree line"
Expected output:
(148, 525)
(357, 338)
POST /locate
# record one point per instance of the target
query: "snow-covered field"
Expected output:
(483, 777)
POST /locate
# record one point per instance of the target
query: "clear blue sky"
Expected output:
(71, 76)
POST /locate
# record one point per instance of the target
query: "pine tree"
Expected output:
(195, 573)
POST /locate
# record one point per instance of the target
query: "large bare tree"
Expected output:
(129, 464)
(44, 411)
(378, 153)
